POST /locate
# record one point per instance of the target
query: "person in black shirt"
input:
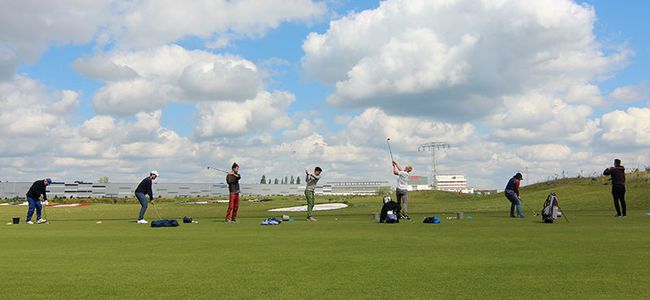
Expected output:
(36, 191)
(233, 187)
(618, 186)
(145, 189)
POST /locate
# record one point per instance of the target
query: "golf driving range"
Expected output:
(346, 254)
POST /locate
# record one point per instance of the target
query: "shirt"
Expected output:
(36, 190)
(403, 180)
(233, 183)
(311, 180)
(145, 187)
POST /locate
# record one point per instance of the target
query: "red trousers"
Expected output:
(233, 206)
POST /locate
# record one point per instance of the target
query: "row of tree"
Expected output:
(285, 180)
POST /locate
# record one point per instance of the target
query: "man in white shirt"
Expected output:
(402, 188)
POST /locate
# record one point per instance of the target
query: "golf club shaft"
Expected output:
(156, 209)
(217, 169)
(563, 214)
(389, 150)
(534, 213)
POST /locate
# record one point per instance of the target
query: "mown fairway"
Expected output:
(344, 255)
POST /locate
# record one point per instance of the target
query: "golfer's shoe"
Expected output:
(311, 219)
(521, 216)
(30, 222)
(40, 221)
(143, 221)
(228, 221)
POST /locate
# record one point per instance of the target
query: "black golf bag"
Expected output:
(389, 211)
(550, 209)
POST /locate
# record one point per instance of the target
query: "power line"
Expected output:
(432, 147)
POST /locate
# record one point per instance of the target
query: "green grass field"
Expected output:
(343, 255)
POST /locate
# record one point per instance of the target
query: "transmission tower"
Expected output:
(432, 147)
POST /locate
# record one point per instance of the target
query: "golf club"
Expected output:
(389, 150)
(47, 221)
(563, 214)
(534, 213)
(217, 169)
(156, 209)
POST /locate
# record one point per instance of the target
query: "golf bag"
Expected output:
(164, 223)
(550, 209)
(389, 211)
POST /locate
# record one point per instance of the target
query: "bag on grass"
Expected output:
(431, 220)
(271, 221)
(389, 211)
(550, 209)
(164, 223)
(187, 219)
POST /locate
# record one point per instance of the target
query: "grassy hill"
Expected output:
(573, 193)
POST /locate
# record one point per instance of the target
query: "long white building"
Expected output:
(11, 190)
(451, 183)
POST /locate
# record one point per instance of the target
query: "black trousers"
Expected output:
(618, 192)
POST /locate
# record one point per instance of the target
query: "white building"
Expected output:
(451, 183)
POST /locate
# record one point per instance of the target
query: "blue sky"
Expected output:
(324, 83)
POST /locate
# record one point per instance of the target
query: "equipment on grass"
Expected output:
(271, 221)
(431, 220)
(187, 219)
(389, 150)
(389, 211)
(47, 221)
(551, 208)
(164, 223)
(217, 169)
(156, 209)
(533, 211)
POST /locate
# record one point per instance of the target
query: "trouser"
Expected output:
(403, 201)
(515, 203)
(30, 211)
(143, 201)
(233, 207)
(310, 202)
(618, 192)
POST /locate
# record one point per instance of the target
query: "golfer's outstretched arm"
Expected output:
(395, 168)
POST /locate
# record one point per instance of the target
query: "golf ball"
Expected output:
(99, 222)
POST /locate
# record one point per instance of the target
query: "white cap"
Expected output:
(154, 173)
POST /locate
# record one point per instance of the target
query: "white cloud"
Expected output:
(536, 118)
(28, 27)
(456, 59)
(373, 126)
(630, 93)
(147, 80)
(623, 129)
(153, 22)
(265, 112)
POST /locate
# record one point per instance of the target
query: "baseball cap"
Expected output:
(49, 180)
(154, 173)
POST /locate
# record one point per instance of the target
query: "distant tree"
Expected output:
(277, 181)
(263, 180)
(103, 179)
(286, 179)
(297, 179)
(292, 180)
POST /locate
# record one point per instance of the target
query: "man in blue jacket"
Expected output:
(36, 191)
(145, 189)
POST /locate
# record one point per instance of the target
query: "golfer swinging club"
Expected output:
(36, 191)
(618, 186)
(145, 188)
(312, 180)
(233, 186)
(402, 188)
(512, 193)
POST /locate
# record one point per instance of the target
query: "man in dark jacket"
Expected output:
(618, 186)
(36, 191)
(232, 179)
(512, 193)
(145, 189)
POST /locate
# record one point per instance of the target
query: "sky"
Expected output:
(119, 88)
